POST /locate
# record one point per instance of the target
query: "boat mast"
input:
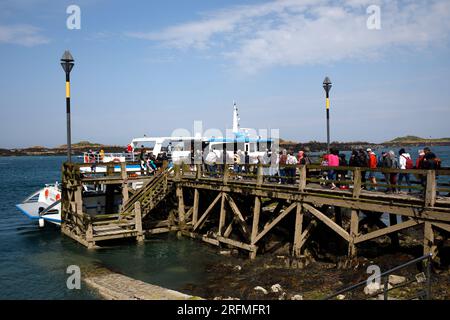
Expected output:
(235, 118)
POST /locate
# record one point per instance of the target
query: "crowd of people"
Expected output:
(149, 163)
(283, 166)
(367, 160)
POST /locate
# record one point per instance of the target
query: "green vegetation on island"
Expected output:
(414, 140)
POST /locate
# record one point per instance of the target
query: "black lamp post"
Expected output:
(67, 63)
(327, 86)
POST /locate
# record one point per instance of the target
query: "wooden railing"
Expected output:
(426, 184)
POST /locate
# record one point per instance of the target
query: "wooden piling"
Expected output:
(222, 214)
(195, 206)
(138, 221)
(430, 191)
(296, 250)
(354, 232)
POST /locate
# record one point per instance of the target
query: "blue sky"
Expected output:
(149, 67)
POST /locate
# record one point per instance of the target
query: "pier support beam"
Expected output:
(222, 214)
(430, 191)
(195, 207)
(428, 240)
(255, 224)
(354, 231)
(123, 172)
(296, 249)
(394, 236)
(181, 211)
(138, 222)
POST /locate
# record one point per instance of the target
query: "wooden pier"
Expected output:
(226, 208)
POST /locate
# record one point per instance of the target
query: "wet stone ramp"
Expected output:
(115, 286)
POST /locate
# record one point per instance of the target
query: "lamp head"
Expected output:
(327, 84)
(67, 61)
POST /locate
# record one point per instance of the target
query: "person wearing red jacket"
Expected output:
(372, 165)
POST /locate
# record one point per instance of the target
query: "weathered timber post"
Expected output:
(259, 175)
(79, 200)
(354, 232)
(123, 172)
(109, 196)
(77, 210)
(356, 182)
(394, 235)
(255, 225)
(428, 239)
(222, 214)
(297, 247)
(198, 173)
(138, 221)
(302, 180)
(430, 192)
(181, 211)
(195, 209)
(226, 174)
(90, 237)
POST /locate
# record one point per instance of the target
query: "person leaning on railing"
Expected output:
(282, 165)
(372, 164)
(290, 171)
(393, 175)
(429, 162)
(405, 163)
(341, 174)
(386, 163)
(333, 161)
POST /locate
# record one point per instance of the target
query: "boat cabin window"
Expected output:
(148, 145)
(264, 146)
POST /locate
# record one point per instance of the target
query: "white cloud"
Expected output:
(24, 35)
(299, 32)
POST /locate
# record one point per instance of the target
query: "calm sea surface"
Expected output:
(33, 261)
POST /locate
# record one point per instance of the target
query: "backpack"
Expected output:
(409, 163)
(362, 159)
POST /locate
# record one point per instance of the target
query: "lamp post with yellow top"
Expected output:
(327, 87)
(67, 63)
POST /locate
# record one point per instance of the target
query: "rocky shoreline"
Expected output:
(278, 276)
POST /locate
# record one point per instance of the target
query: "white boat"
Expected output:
(184, 148)
(43, 205)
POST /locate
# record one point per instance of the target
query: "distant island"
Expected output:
(416, 141)
(313, 146)
(77, 149)
(406, 141)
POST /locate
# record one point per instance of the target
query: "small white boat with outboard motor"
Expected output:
(43, 205)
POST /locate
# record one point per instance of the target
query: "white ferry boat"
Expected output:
(45, 204)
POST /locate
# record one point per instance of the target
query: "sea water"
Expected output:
(34, 261)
